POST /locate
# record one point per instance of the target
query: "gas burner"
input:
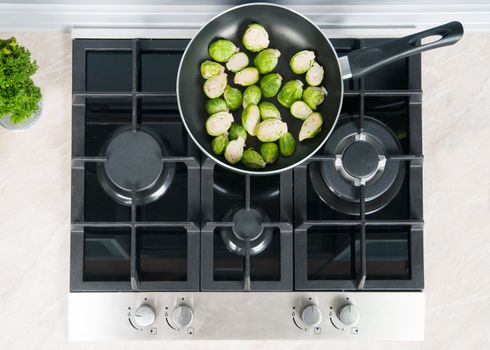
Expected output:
(247, 225)
(360, 159)
(134, 172)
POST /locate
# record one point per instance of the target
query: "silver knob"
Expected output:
(183, 316)
(144, 315)
(349, 314)
(311, 316)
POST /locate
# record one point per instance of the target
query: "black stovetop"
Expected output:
(310, 240)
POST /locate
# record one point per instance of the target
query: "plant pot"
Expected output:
(23, 125)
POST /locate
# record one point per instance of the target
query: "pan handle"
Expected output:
(360, 62)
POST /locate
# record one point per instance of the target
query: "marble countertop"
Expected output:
(35, 209)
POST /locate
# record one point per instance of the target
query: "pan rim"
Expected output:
(265, 172)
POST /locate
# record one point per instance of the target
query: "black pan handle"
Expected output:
(365, 60)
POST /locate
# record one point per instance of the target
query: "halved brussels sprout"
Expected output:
(210, 69)
(247, 76)
(233, 98)
(251, 118)
(300, 110)
(270, 84)
(302, 61)
(314, 76)
(219, 144)
(219, 123)
(287, 144)
(255, 38)
(237, 62)
(251, 96)
(252, 159)
(271, 130)
(311, 126)
(314, 96)
(216, 105)
(236, 131)
(234, 150)
(221, 50)
(267, 60)
(290, 92)
(269, 111)
(215, 86)
(269, 151)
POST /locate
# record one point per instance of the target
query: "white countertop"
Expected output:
(35, 209)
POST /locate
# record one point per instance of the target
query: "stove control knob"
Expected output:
(183, 316)
(349, 314)
(144, 315)
(311, 316)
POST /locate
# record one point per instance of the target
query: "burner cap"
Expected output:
(360, 159)
(247, 224)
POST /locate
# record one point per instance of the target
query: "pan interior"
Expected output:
(289, 33)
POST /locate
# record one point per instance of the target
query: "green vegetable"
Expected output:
(219, 144)
(234, 150)
(269, 111)
(302, 61)
(251, 118)
(215, 86)
(271, 130)
(210, 69)
(233, 98)
(252, 159)
(287, 144)
(267, 60)
(300, 110)
(314, 96)
(221, 50)
(237, 62)
(19, 96)
(270, 84)
(216, 105)
(236, 131)
(251, 96)
(269, 151)
(247, 76)
(311, 126)
(255, 38)
(219, 123)
(290, 92)
(314, 76)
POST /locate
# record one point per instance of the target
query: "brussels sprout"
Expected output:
(287, 144)
(233, 98)
(221, 50)
(255, 38)
(269, 151)
(251, 118)
(269, 111)
(270, 84)
(234, 150)
(267, 60)
(271, 130)
(236, 131)
(300, 110)
(251, 96)
(216, 105)
(247, 76)
(290, 92)
(311, 126)
(252, 159)
(314, 96)
(314, 76)
(219, 144)
(210, 69)
(219, 123)
(215, 86)
(302, 61)
(237, 62)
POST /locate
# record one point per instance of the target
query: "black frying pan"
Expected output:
(289, 32)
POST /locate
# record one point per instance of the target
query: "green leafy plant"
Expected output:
(19, 96)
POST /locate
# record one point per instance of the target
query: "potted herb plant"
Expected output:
(20, 98)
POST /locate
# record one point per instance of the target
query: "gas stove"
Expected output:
(165, 244)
